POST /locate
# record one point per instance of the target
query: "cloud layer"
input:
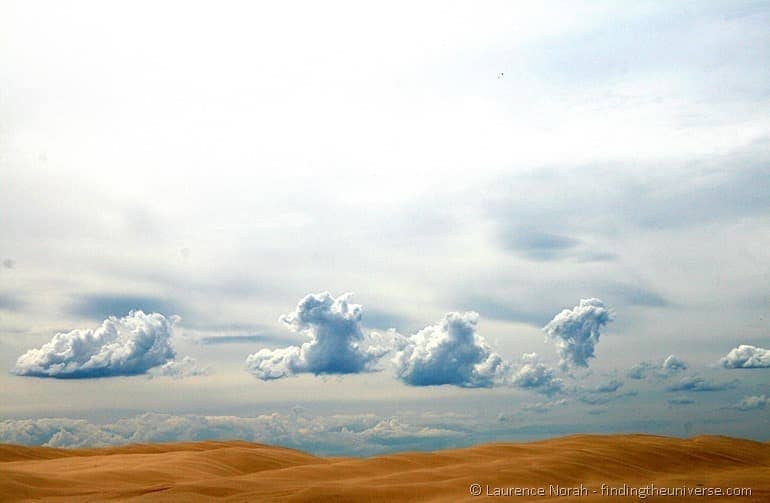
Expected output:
(120, 346)
(449, 352)
(575, 332)
(331, 434)
(746, 357)
(333, 326)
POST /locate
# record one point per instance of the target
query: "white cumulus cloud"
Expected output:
(753, 402)
(746, 357)
(575, 332)
(179, 369)
(120, 346)
(536, 376)
(449, 352)
(335, 346)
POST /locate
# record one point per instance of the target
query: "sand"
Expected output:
(241, 471)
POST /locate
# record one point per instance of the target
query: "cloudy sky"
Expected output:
(357, 228)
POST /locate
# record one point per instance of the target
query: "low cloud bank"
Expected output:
(335, 434)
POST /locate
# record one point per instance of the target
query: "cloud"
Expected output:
(120, 346)
(753, 403)
(9, 303)
(100, 306)
(670, 365)
(449, 352)
(333, 326)
(240, 339)
(610, 386)
(535, 376)
(186, 367)
(746, 357)
(680, 401)
(575, 332)
(331, 434)
(673, 363)
(604, 398)
(491, 308)
(537, 245)
(9, 263)
(696, 383)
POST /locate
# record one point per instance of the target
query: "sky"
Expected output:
(360, 228)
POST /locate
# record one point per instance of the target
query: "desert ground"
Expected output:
(241, 471)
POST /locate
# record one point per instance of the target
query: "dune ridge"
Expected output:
(243, 471)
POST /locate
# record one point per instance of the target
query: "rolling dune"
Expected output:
(241, 471)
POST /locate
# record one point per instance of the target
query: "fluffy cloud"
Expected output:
(673, 364)
(746, 357)
(575, 332)
(695, 383)
(668, 366)
(535, 376)
(333, 326)
(610, 386)
(186, 367)
(120, 346)
(753, 403)
(449, 352)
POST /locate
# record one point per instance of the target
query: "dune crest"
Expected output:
(242, 471)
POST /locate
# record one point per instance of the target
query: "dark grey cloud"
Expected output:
(119, 347)
(383, 320)
(575, 332)
(614, 201)
(680, 401)
(101, 306)
(244, 339)
(333, 327)
(697, 383)
(634, 295)
(746, 357)
(448, 352)
(9, 302)
(494, 309)
(536, 244)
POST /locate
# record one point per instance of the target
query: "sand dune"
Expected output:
(241, 471)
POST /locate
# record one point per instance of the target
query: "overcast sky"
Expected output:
(467, 170)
